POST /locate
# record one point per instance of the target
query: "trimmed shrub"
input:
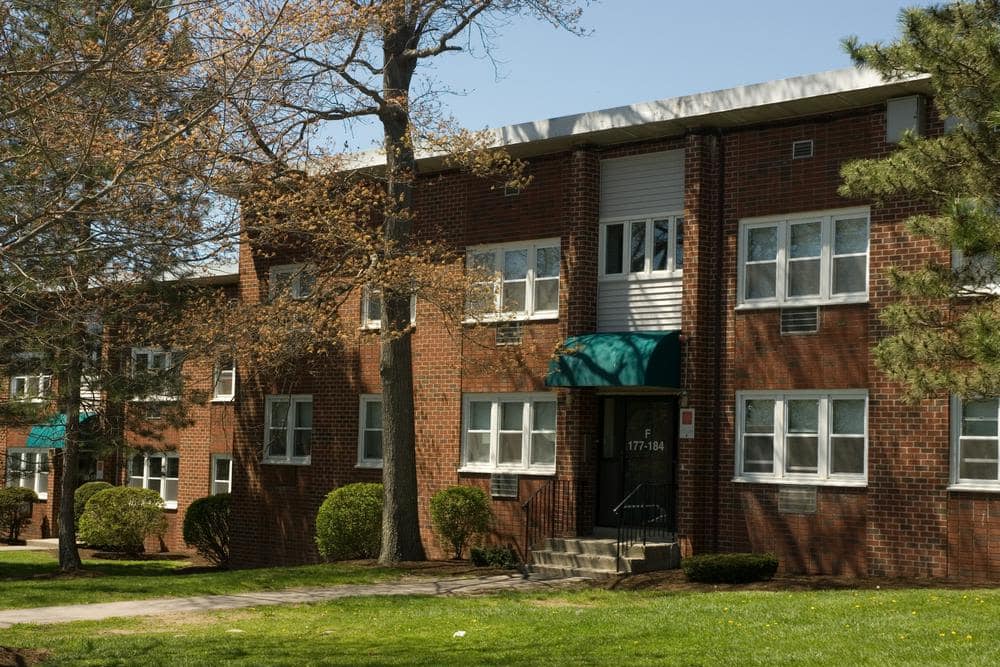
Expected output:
(14, 513)
(496, 556)
(349, 522)
(206, 527)
(459, 514)
(739, 568)
(121, 518)
(83, 494)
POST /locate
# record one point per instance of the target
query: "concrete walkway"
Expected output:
(100, 611)
(33, 545)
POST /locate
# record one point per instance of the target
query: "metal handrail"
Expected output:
(660, 520)
(552, 509)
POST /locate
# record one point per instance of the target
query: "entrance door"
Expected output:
(639, 445)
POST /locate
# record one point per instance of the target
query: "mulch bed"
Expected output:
(674, 580)
(21, 657)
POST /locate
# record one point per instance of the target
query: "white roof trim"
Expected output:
(685, 108)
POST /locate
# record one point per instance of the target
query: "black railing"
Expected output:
(647, 513)
(553, 510)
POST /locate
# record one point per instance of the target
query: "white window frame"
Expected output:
(212, 474)
(956, 482)
(44, 383)
(293, 400)
(374, 325)
(38, 480)
(823, 476)
(295, 272)
(164, 478)
(221, 370)
(364, 401)
(173, 358)
(783, 223)
(674, 218)
(525, 467)
(529, 312)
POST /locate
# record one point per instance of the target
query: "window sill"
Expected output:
(983, 487)
(510, 319)
(805, 303)
(541, 472)
(223, 399)
(170, 506)
(840, 483)
(287, 462)
(369, 465)
(640, 277)
(43, 497)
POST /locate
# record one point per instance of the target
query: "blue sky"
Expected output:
(643, 50)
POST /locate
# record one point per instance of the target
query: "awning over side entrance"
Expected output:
(634, 359)
(52, 434)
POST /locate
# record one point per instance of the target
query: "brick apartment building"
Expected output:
(711, 301)
(181, 464)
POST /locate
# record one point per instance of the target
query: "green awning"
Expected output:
(634, 359)
(52, 434)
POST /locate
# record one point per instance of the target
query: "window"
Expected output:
(642, 248)
(526, 284)
(371, 308)
(808, 259)
(222, 474)
(974, 443)
(802, 437)
(370, 432)
(29, 469)
(159, 372)
(510, 432)
(288, 429)
(292, 279)
(30, 387)
(158, 472)
(224, 383)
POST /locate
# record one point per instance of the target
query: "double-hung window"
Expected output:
(802, 437)
(524, 284)
(288, 429)
(509, 432)
(224, 380)
(371, 308)
(294, 280)
(974, 438)
(370, 432)
(222, 474)
(30, 387)
(158, 472)
(805, 259)
(158, 371)
(642, 248)
(29, 469)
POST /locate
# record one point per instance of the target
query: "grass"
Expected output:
(924, 627)
(30, 579)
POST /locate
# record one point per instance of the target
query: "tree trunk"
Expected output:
(400, 516)
(69, 556)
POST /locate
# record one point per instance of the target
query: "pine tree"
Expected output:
(945, 328)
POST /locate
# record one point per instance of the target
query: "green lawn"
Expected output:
(27, 579)
(919, 627)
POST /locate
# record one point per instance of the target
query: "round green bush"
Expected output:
(206, 527)
(736, 568)
(460, 513)
(349, 523)
(121, 518)
(83, 494)
(13, 517)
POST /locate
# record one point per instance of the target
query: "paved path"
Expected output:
(99, 611)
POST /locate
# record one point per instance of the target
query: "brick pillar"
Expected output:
(699, 459)
(578, 425)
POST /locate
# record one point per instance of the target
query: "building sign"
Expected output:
(686, 429)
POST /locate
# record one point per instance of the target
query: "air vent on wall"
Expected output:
(509, 333)
(511, 191)
(799, 320)
(802, 149)
(503, 485)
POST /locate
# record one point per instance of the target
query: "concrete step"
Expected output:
(596, 557)
(555, 572)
